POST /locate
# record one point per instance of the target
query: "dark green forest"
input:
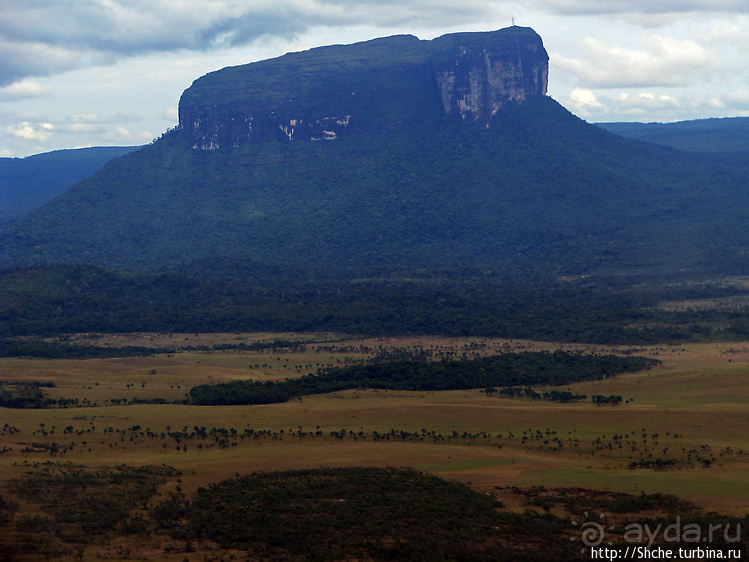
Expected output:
(506, 369)
(368, 513)
(239, 296)
(540, 191)
(30, 395)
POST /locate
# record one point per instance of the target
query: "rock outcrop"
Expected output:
(325, 93)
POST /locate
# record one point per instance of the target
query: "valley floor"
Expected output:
(680, 428)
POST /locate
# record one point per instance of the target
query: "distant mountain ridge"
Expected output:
(411, 181)
(716, 135)
(28, 183)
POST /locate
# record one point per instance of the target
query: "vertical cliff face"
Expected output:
(326, 93)
(478, 73)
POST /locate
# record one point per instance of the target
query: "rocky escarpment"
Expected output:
(329, 92)
(478, 73)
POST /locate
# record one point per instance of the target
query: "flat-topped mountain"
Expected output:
(328, 92)
(396, 152)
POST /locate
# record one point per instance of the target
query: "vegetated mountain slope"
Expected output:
(538, 189)
(729, 134)
(28, 183)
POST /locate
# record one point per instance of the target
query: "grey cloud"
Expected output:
(20, 60)
(738, 98)
(43, 38)
(38, 37)
(248, 28)
(436, 12)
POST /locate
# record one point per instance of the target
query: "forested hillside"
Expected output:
(540, 190)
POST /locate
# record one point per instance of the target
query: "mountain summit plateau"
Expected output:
(329, 92)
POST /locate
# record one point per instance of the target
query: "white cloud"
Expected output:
(738, 97)
(640, 104)
(79, 128)
(584, 101)
(124, 135)
(84, 118)
(640, 8)
(32, 131)
(23, 89)
(644, 100)
(636, 105)
(171, 114)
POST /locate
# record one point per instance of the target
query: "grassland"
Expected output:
(681, 428)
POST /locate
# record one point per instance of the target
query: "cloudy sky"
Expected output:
(79, 73)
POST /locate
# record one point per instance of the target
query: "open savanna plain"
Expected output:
(680, 429)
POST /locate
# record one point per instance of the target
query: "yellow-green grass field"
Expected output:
(693, 410)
